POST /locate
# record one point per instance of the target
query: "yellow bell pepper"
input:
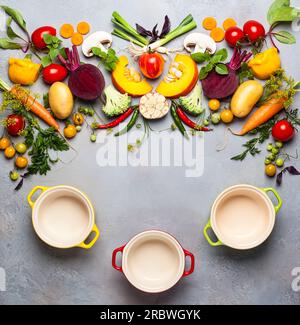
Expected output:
(264, 64)
(23, 71)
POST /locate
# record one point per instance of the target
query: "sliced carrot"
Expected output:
(209, 23)
(66, 31)
(34, 106)
(83, 28)
(217, 34)
(77, 39)
(229, 22)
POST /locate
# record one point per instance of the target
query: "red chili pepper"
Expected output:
(116, 122)
(186, 120)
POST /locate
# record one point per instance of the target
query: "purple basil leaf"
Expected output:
(166, 27)
(292, 170)
(143, 31)
(279, 178)
(155, 31)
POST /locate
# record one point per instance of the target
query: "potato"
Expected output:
(245, 98)
(61, 100)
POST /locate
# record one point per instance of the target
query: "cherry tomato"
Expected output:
(214, 104)
(53, 73)
(283, 131)
(9, 152)
(70, 131)
(151, 65)
(21, 162)
(4, 143)
(271, 170)
(227, 116)
(254, 30)
(15, 124)
(233, 35)
(37, 36)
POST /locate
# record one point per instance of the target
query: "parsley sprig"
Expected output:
(262, 134)
(109, 59)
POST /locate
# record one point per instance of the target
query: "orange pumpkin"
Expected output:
(128, 80)
(181, 78)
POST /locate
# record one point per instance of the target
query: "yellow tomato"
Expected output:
(271, 170)
(226, 116)
(70, 131)
(21, 162)
(9, 152)
(214, 104)
(78, 119)
(4, 143)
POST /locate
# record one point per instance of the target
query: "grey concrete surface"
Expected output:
(129, 200)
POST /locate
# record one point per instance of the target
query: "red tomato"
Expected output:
(15, 124)
(233, 35)
(54, 72)
(37, 36)
(254, 30)
(283, 131)
(151, 65)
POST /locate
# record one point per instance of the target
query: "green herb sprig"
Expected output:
(214, 62)
(109, 59)
(262, 133)
(54, 49)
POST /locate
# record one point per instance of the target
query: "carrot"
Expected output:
(217, 34)
(77, 39)
(83, 28)
(209, 23)
(34, 106)
(263, 114)
(229, 22)
(66, 31)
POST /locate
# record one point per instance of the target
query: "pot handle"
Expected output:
(114, 258)
(211, 243)
(279, 205)
(30, 195)
(192, 257)
(93, 241)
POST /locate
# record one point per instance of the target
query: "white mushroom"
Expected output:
(199, 42)
(102, 40)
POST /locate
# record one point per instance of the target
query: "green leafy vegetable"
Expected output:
(245, 73)
(285, 37)
(281, 11)
(109, 59)
(16, 16)
(262, 133)
(221, 69)
(213, 62)
(54, 49)
(7, 44)
(200, 57)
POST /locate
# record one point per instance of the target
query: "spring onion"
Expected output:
(119, 21)
(184, 27)
(130, 34)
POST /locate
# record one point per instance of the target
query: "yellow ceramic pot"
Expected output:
(63, 217)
